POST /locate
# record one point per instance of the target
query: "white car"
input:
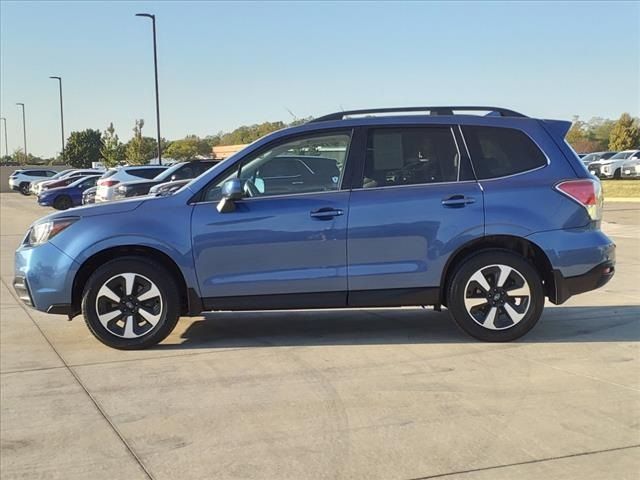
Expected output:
(21, 179)
(114, 176)
(612, 167)
(38, 187)
(631, 168)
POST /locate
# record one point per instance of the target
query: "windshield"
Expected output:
(590, 158)
(168, 172)
(622, 155)
(62, 173)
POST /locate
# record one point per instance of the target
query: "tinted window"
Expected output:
(35, 173)
(409, 156)
(145, 172)
(498, 152)
(298, 166)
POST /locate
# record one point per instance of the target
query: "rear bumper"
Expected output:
(593, 279)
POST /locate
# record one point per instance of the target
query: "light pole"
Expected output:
(61, 112)
(155, 66)
(6, 149)
(24, 132)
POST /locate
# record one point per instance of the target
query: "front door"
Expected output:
(284, 246)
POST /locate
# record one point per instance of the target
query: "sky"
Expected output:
(222, 65)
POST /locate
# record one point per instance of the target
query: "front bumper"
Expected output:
(44, 277)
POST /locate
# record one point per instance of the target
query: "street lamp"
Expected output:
(155, 66)
(6, 150)
(61, 111)
(24, 132)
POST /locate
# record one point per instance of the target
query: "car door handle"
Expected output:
(326, 213)
(457, 201)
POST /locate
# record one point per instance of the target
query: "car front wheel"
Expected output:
(24, 188)
(496, 296)
(131, 303)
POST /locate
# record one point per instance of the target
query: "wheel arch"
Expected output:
(190, 302)
(519, 245)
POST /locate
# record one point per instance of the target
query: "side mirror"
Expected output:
(232, 190)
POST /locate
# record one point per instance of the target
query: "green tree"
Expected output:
(139, 150)
(188, 148)
(598, 131)
(249, 133)
(83, 148)
(112, 151)
(625, 134)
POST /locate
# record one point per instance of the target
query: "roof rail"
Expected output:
(447, 110)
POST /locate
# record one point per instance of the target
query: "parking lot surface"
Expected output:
(361, 394)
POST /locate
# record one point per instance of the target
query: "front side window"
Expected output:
(304, 165)
(499, 152)
(410, 156)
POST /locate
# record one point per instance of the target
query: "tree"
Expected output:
(625, 134)
(249, 133)
(576, 133)
(139, 150)
(188, 148)
(112, 151)
(83, 148)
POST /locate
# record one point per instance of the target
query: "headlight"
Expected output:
(43, 232)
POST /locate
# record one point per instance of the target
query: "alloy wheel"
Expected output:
(129, 305)
(497, 297)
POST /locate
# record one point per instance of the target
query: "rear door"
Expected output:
(416, 203)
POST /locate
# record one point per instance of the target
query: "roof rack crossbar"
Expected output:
(441, 110)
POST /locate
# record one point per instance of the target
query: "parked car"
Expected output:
(21, 179)
(34, 184)
(631, 168)
(178, 171)
(115, 176)
(63, 198)
(89, 196)
(437, 209)
(612, 167)
(64, 180)
(595, 156)
(168, 187)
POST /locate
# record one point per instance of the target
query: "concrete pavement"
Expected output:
(375, 394)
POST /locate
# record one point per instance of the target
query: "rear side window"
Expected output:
(410, 156)
(499, 152)
(146, 172)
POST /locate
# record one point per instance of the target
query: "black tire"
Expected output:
(144, 269)
(617, 175)
(63, 202)
(24, 188)
(490, 263)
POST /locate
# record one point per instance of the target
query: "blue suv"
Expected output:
(484, 214)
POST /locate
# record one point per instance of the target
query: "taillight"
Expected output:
(108, 183)
(587, 192)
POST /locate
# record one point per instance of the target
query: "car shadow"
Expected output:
(395, 326)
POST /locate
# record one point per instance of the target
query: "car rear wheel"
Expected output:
(131, 303)
(24, 188)
(62, 203)
(496, 296)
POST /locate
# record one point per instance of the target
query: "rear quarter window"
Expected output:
(499, 152)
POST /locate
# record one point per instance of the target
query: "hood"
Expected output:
(97, 209)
